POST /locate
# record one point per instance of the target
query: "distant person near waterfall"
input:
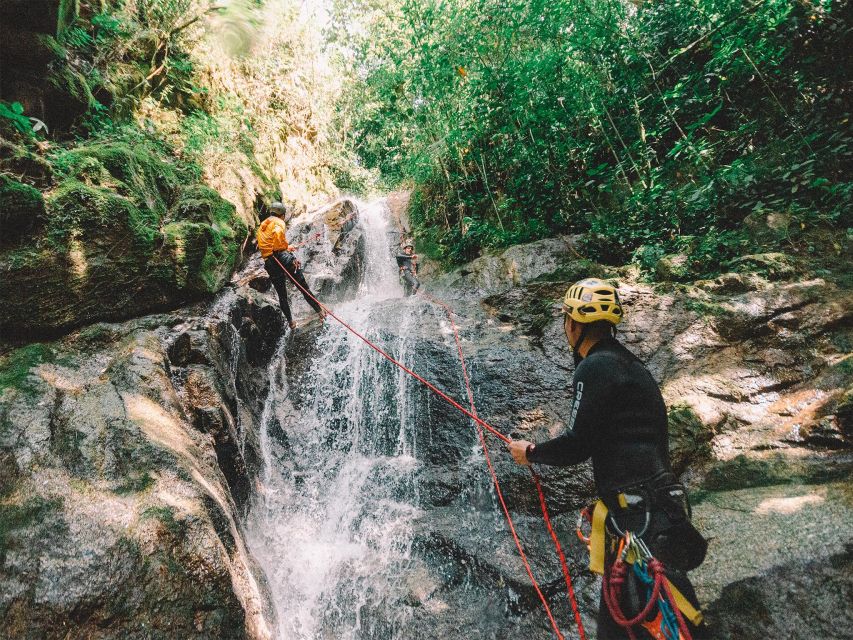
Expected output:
(641, 528)
(408, 264)
(279, 260)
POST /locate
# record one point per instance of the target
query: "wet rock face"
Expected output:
(128, 454)
(128, 451)
(755, 371)
(333, 259)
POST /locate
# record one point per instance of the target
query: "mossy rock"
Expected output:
(773, 266)
(15, 367)
(674, 268)
(689, 437)
(30, 513)
(18, 160)
(137, 172)
(572, 271)
(121, 238)
(77, 208)
(201, 244)
(21, 208)
(743, 472)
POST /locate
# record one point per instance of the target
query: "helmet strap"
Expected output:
(576, 350)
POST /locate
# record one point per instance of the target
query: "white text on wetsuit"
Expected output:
(577, 404)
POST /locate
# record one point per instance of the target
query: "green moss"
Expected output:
(166, 516)
(98, 334)
(72, 84)
(21, 207)
(689, 438)
(199, 203)
(128, 230)
(773, 266)
(744, 472)
(18, 516)
(203, 239)
(15, 367)
(76, 206)
(704, 307)
(133, 168)
(67, 13)
(18, 159)
(135, 484)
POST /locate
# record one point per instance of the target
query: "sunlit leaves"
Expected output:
(643, 123)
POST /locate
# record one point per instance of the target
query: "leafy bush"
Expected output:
(655, 128)
(13, 114)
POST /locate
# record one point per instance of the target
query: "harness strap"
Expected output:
(597, 545)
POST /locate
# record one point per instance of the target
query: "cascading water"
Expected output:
(332, 521)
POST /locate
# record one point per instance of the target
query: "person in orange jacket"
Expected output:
(279, 261)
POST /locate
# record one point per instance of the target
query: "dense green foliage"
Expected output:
(137, 141)
(655, 127)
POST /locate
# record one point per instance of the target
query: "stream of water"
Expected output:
(331, 524)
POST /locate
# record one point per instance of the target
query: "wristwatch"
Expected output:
(529, 450)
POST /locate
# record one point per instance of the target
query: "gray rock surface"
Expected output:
(128, 452)
(756, 372)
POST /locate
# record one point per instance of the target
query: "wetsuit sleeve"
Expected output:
(578, 441)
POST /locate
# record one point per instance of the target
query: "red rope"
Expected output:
(472, 414)
(492, 472)
(566, 576)
(385, 355)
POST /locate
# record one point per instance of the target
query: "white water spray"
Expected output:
(331, 524)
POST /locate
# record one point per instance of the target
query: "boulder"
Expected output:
(122, 236)
(127, 453)
(553, 259)
(21, 209)
(773, 266)
(673, 268)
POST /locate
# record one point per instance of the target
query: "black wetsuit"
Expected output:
(408, 273)
(618, 418)
(280, 279)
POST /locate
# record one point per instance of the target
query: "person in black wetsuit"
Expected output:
(619, 419)
(408, 263)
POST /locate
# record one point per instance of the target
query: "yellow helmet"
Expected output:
(591, 300)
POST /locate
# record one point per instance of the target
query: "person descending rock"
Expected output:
(408, 263)
(618, 418)
(278, 257)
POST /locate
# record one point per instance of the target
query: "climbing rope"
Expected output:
(536, 481)
(390, 359)
(652, 574)
(481, 424)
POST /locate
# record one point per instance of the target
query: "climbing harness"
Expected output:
(481, 424)
(633, 554)
(670, 621)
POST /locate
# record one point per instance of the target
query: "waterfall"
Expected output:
(331, 523)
